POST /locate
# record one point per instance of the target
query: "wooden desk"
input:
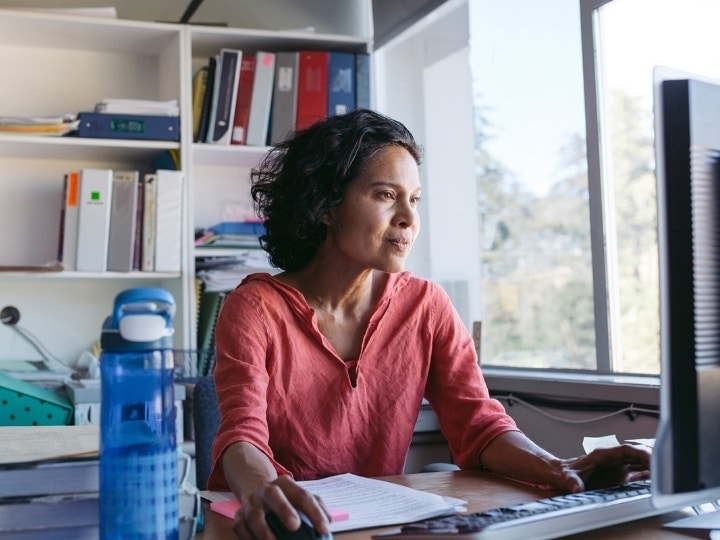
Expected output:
(482, 491)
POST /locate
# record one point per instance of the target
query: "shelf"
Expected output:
(208, 41)
(72, 148)
(40, 30)
(89, 275)
(211, 155)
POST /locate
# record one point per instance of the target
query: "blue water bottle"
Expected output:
(138, 456)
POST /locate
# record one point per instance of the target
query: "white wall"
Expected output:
(424, 81)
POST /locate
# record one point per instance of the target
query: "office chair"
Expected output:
(206, 419)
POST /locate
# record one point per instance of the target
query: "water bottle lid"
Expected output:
(142, 318)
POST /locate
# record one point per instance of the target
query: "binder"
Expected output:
(223, 114)
(259, 121)
(341, 83)
(94, 219)
(205, 114)
(199, 85)
(128, 126)
(168, 220)
(148, 232)
(312, 88)
(284, 101)
(69, 226)
(243, 102)
(123, 217)
(362, 81)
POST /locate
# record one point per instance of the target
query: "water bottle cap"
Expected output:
(141, 316)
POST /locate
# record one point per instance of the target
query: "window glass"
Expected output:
(632, 37)
(532, 173)
(532, 184)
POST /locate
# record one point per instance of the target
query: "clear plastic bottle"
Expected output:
(138, 454)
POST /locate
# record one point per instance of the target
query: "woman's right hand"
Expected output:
(283, 496)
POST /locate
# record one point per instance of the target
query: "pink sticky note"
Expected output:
(228, 509)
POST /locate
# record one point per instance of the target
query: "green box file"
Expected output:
(25, 404)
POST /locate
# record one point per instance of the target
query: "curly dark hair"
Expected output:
(306, 175)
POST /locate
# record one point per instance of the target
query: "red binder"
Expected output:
(312, 87)
(242, 104)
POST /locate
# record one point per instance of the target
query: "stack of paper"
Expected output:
(39, 125)
(138, 106)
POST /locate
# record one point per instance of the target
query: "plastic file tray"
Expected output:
(25, 404)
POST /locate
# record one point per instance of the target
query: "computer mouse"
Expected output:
(305, 532)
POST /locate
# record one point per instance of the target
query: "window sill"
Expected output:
(636, 389)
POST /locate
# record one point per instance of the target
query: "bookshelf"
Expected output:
(67, 63)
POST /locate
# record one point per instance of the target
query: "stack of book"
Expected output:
(119, 221)
(52, 491)
(50, 484)
(262, 97)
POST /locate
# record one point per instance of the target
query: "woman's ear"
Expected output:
(327, 219)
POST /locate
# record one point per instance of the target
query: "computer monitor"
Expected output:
(685, 465)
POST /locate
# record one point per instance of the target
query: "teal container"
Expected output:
(138, 455)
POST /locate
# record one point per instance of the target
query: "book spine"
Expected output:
(205, 114)
(168, 221)
(341, 83)
(199, 85)
(94, 219)
(284, 101)
(261, 101)
(128, 126)
(123, 215)
(362, 81)
(69, 226)
(226, 95)
(244, 97)
(148, 234)
(140, 206)
(312, 88)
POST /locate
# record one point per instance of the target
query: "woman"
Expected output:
(322, 368)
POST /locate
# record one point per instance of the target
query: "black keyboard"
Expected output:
(542, 519)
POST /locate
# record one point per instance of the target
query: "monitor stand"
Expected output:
(707, 520)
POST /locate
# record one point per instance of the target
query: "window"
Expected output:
(567, 195)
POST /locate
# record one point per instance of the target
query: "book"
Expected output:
(210, 304)
(52, 511)
(312, 88)
(138, 242)
(341, 83)
(244, 97)
(205, 113)
(128, 126)
(50, 477)
(223, 114)
(261, 101)
(284, 101)
(148, 227)
(362, 81)
(168, 220)
(94, 219)
(123, 221)
(67, 252)
(199, 85)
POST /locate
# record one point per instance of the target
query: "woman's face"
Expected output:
(377, 222)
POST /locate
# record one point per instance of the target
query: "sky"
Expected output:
(526, 58)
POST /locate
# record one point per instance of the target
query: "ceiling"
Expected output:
(390, 17)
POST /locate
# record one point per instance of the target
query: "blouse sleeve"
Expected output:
(241, 347)
(469, 418)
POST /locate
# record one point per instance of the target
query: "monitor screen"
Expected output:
(686, 457)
